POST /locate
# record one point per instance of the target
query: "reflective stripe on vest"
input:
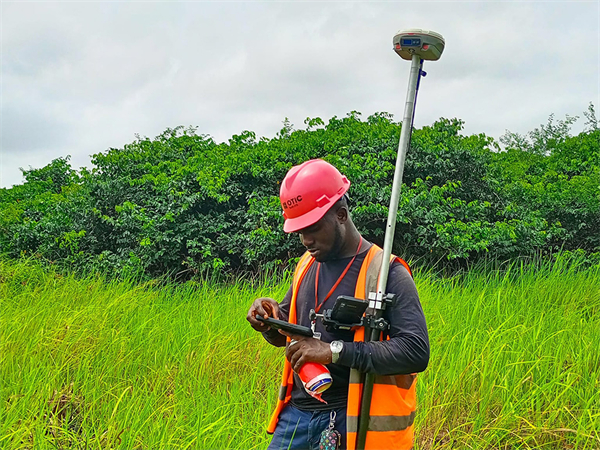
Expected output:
(393, 403)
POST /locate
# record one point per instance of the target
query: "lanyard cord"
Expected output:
(339, 280)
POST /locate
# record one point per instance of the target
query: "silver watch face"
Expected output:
(337, 346)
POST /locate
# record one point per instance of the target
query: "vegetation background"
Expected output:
(123, 289)
(181, 204)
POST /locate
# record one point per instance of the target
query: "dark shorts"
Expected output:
(301, 430)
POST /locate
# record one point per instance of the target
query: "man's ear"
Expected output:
(342, 214)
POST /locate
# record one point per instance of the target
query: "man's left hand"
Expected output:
(306, 349)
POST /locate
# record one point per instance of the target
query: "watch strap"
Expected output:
(336, 348)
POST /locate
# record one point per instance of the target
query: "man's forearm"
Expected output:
(398, 355)
(274, 337)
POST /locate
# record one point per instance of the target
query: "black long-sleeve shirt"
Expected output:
(407, 350)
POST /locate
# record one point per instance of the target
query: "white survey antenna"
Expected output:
(415, 45)
(428, 45)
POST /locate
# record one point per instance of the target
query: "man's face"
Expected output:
(324, 239)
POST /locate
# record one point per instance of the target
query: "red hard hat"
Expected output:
(308, 191)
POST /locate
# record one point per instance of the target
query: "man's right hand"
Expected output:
(264, 307)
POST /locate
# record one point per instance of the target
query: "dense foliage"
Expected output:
(182, 203)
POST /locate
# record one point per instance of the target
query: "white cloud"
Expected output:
(78, 78)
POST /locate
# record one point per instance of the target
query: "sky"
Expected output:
(79, 78)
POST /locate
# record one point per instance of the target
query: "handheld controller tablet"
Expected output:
(286, 326)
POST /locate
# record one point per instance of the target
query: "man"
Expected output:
(339, 261)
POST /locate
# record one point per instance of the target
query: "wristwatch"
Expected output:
(336, 348)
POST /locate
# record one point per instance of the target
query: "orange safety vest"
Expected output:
(394, 399)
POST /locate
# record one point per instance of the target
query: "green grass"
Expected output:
(515, 360)
(89, 363)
